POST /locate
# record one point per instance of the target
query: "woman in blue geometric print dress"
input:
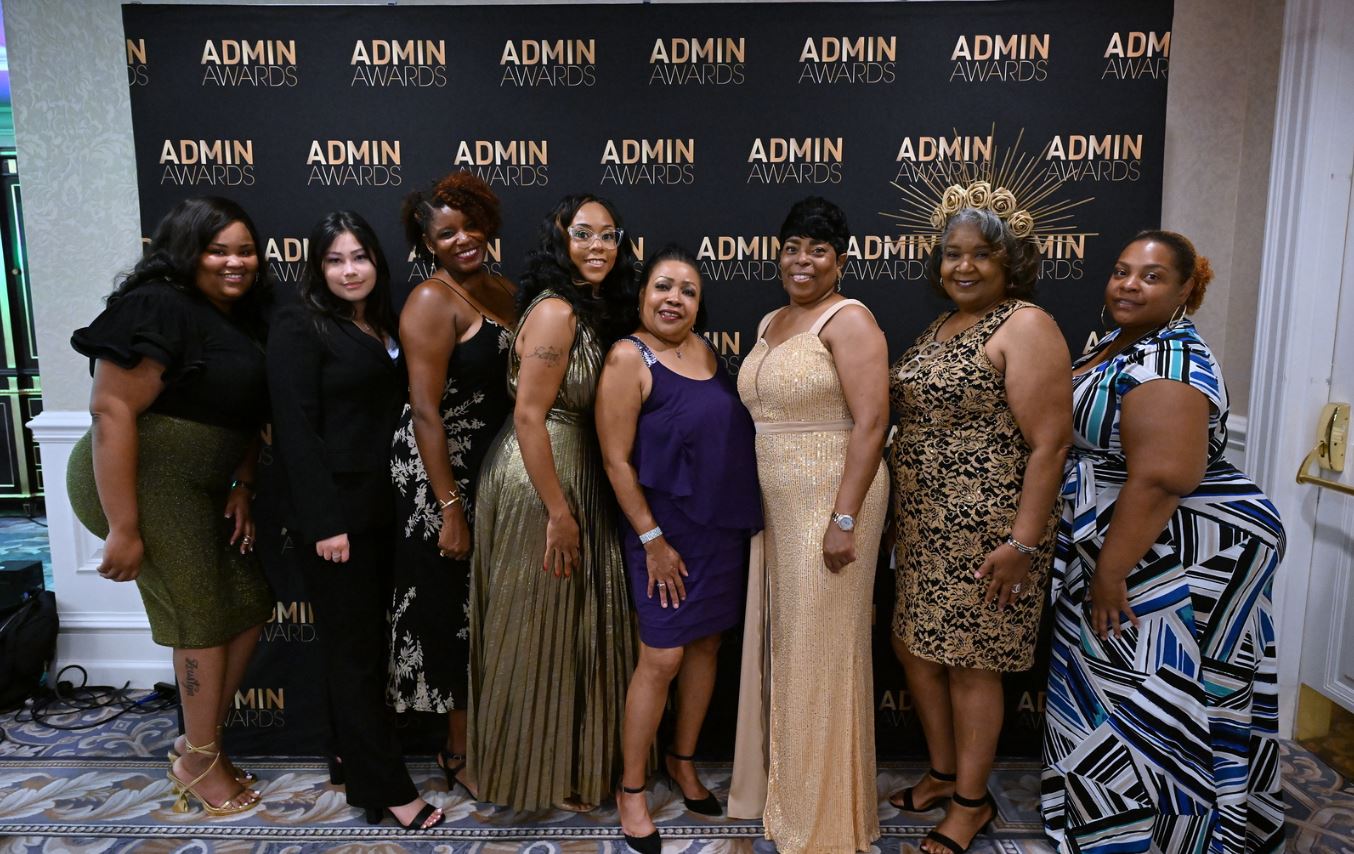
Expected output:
(1162, 716)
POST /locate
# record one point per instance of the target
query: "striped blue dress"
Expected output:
(1165, 739)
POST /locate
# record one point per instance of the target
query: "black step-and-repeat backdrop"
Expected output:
(704, 123)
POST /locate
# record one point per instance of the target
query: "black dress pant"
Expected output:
(350, 602)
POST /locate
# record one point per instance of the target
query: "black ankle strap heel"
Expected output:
(708, 805)
(651, 844)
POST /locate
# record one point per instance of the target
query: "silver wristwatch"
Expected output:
(843, 521)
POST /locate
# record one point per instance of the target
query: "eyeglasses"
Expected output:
(586, 236)
(913, 366)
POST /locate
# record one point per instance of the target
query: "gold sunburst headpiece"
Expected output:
(1014, 185)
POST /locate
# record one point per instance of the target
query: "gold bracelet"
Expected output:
(454, 499)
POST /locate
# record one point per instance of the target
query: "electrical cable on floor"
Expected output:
(68, 698)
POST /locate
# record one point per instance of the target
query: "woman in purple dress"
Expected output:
(678, 449)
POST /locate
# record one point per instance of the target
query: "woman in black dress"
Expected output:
(455, 328)
(337, 385)
(179, 398)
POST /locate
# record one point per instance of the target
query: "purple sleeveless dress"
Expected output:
(695, 456)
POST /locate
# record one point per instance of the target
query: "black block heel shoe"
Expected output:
(708, 805)
(335, 771)
(651, 844)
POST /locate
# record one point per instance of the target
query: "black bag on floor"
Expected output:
(27, 647)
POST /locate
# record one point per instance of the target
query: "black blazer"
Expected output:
(337, 398)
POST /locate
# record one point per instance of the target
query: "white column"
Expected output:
(103, 624)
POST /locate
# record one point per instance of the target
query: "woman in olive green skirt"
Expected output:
(551, 637)
(163, 475)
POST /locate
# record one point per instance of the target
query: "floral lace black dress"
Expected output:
(429, 626)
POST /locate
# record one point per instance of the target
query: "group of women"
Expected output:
(536, 507)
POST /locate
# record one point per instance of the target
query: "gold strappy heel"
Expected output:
(245, 778)
(230, 806)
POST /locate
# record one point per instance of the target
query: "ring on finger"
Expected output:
(1015, 588)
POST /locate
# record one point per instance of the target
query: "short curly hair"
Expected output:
(463, 191)
(1019, 258)
(818, 219)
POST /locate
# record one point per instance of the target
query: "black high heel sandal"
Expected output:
(971, 803)
(908, 805)
(708, 805)
(376, 814)
(651, 844)
(445, 759)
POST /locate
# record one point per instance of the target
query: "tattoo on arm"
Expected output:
(190, 683)
(549, 355)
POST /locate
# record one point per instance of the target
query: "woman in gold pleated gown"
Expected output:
(816, 384)
(551, 637)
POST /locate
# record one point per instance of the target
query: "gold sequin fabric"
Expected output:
(198, 591)
(549, 657)
(958, 462)
(821, 792)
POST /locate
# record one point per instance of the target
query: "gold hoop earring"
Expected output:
(1104, 324)
(840, 275)
(1178, 315)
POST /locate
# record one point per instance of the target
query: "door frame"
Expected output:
(1305, 235)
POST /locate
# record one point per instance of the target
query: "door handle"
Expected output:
(1332, 434)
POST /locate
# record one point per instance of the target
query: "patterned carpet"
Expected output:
(103, 789)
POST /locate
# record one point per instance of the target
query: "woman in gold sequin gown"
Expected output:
(551, 637)
(816, 385)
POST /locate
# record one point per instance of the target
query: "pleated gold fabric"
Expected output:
(199, 592)
(819, 723)
(549, 657)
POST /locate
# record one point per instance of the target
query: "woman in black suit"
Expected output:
(337, 387)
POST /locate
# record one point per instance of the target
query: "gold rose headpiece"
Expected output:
(1014, 185)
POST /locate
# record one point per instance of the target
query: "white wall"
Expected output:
(73, 125)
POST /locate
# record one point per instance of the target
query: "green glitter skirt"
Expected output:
(199, 591)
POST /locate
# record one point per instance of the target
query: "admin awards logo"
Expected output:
(1095, 157)
(548, 62)
(290, 622)
(885, 257)
(506, 162)
(739, 258)
(1062, 257)
(841, 59)
(286, 259)
(649, 161)
(789, 160)
(138, 68)
(421, 269)
(1014, 58)
(941, 158)
(1136, 55)
(697, 62)
(353, 163)
(207, 162)
(408, 64)
(260, 63)
(258, 708)
(728, 347)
